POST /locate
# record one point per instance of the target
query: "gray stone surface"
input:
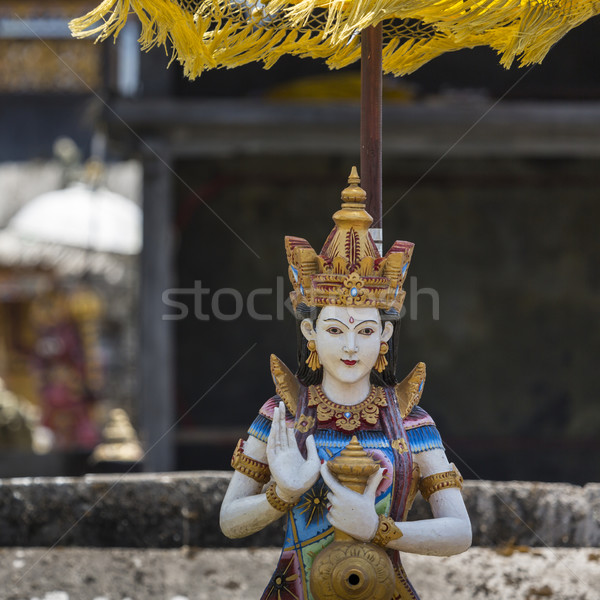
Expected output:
(136, 510)
(242, 574)
(182, 509)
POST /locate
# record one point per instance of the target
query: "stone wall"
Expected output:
(175, 510)
(243, 574)
(156, 537)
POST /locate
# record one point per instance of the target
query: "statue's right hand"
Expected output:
(292, 473)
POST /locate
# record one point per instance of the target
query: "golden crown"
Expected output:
(349, 271)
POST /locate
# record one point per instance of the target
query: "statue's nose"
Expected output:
(350, 346)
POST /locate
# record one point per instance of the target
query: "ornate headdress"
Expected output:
(349, 271)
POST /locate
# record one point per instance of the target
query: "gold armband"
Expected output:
(440, 481)
(276, 502)
(386, 531)
(248, 466)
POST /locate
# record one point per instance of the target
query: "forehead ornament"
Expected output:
(349, 271)
(351, 319)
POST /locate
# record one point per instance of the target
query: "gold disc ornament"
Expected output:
(352, 571)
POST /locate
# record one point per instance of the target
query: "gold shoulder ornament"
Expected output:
(286, 384)
(249, 466)
(440, 481)
(410, 389)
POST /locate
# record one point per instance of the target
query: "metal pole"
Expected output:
(370, 125)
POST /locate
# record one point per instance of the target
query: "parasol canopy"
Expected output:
(79, 216)
(207, 34)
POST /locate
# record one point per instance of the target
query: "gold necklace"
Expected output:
(347, 418)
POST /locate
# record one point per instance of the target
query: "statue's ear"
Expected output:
(388, 330)
(307, 329)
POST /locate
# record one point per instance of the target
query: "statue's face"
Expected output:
(348, 340)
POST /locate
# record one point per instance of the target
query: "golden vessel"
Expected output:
(348, 569)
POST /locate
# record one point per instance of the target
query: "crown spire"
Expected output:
(354, 194)
(351, 237)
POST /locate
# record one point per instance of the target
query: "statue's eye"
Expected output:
(334, 330)
(367, 331)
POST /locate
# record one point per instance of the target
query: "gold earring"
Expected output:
(382, 362)
(313, 358)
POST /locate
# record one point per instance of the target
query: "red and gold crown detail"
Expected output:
(349, 271)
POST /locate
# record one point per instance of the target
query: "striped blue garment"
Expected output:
(425, 437)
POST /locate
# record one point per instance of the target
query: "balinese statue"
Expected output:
(342, 448)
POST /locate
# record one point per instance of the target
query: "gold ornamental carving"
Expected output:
(286, 384)
(440, 481)
(249, 466)
(410, 389)
(347, 418)
(349, 270)
(400, 445)
(348, 569)
(352, 571)
(304, 423)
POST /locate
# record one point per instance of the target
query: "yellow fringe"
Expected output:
(226, 33)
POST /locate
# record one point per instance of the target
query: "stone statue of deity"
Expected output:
(342, 449)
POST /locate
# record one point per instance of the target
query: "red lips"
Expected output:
(350, 363)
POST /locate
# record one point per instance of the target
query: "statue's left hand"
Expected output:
(351, 512)
(292, 473)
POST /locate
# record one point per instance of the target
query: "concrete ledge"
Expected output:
(242, 574)
(181, 509)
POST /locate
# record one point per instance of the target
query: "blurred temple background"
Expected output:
(493, 174)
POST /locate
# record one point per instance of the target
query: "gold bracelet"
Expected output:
(248, 466)
(276, 502)
(387, 531)
(440, 481)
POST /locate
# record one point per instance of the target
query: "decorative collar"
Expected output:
(347, 418)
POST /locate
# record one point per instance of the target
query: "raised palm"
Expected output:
(292, 473)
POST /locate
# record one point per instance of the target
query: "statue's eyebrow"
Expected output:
(357, 325)
(337, 320)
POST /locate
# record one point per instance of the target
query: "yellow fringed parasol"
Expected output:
(207, 34)
(393, 36)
